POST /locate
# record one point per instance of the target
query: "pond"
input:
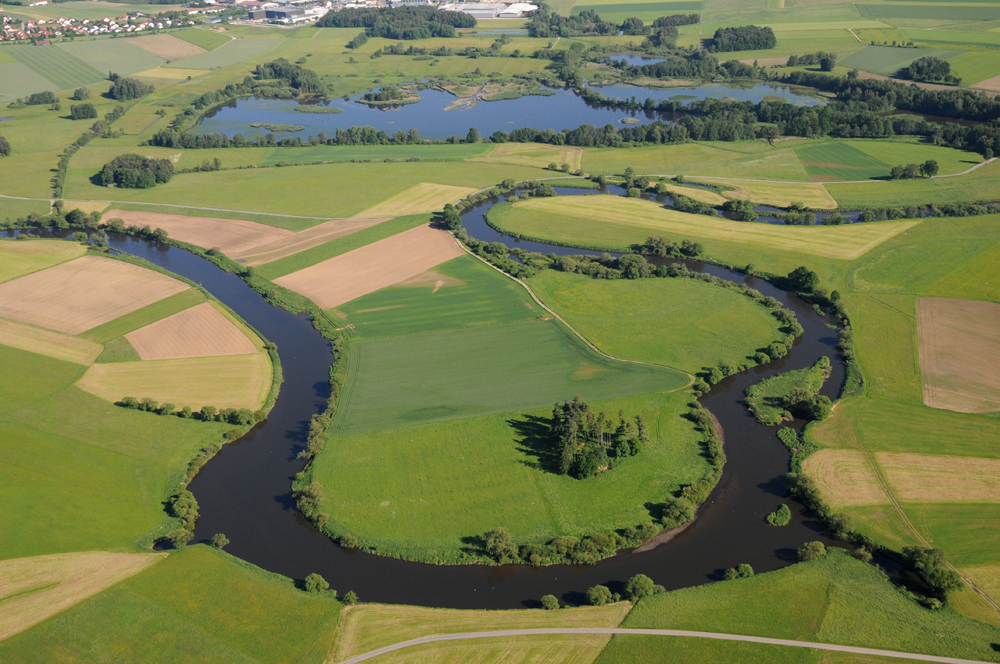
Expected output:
(563, 110)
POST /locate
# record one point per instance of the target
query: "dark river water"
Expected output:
(245, 493)
(562, 110)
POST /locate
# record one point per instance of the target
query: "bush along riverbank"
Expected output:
(792, 393)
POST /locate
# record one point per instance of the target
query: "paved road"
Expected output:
(658, 632)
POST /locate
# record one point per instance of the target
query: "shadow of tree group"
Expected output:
(535, 440)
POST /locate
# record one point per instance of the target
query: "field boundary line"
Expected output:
(572, 329)
(436, 638)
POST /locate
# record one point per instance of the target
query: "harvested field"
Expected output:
(307, 239)
(46, 342)
(85, 206)
(200, 331)
(229, 381)
(780, 194)
(528, 154)
(372, 267)
(432, 278)
(844, 478)
(232, 236)
(934, 478)
(32, 589)
(959, 348)
(167, 47)
(703, 195)
(18, 258)
(79, 295)
(422, 197)
(992, 84)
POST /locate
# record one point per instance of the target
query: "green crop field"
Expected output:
(19, 80)
(839, 161)
(198, 605)
(909, 151)
(463, 292)
(835, 599)
(419, 491)
(982, 184)
(966, 531)
(437, 376)
(909, 15)
(975, 66)
(757, 160)
(341, 153)
(889, 60)
(680, 323)
(233, 51)
(58, 66)
(107, 55)
(207, 39)
(64, 448)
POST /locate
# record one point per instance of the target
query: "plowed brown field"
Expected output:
(307, 239)
(959, 354)
(232, 236)
(372, 267)
(200, 331)
(168, 47)
(79, 295)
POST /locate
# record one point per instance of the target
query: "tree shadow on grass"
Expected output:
(536, 441)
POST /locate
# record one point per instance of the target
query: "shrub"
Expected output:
(219, 541)
(639, 586)
(351, 598)
(129, 402)
(811, 551)
(184, 506)
(208, 413)
(499, 544)
(315, 583)
(676, 511)
(549, 602)
(4, 147)
(39, 98)
(124, 89)
(166, 409)
(932, 568)
(81, 94)
(780, 516)
(598, 596)
(82, 111)
(132, 171)
(741, 571)
(179, 538)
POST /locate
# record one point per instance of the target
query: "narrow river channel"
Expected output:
(245, 493)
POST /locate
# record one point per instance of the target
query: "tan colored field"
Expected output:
(228, 381)
(780, 194)
(372, 267)
(167, 47)
(992, 84)
(932, 478)
(232, 236)
(86, 206)
(46, 342)
(371, 626)
(201, 331)
(959, 348)
(170, 73)
(307, 239)
(423, 197)
(79, 295)
(32, 589)
(845, 242)
(529, 154)
(21, 257)
(844, 478)
(703, 195)
(987, 577)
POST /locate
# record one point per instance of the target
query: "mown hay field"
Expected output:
(167, 47)
(540, 156)
(18, 258)
(84, 293)
(982, 184)
(845, 478)
(780, 194)
(422, 197)
(228, 381)
(46, 342)
(420, 491)
(751, 159)
(168, 306)
(344, 278)
(367, 627)
(440, 375)
(201, 331)
(680, 323)
(615, 222)
(304, 240)
(232, 236)
(231, 52)
(117, 55)
(198, 605)
(959, 345)
(935, 478)
(32, 589)
(696, 193)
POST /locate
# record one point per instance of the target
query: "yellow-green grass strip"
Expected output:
(422, 197)
(143, 317)
(780, 194)
(47, 342)
(20, 257)
(562, 219)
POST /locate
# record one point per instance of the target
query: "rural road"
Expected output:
(657, 632)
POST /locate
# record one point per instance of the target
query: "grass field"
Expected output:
(781, 194)
(343, 153)
(460, 293)
(835, 599)
(983, 184)
(231, 52)
(886, 344)
(64, 448)
(227, 381)
(369, 627)
(418, 492)
(888, 60)
(197, 605)
(839, 161)
(145, 316)
(752, 159)
(437, 376)
(845, 478)
(422, 197)
(893, 153)
(58, 66)
(978, 276)
(206, 39)
(41, 586)
(617, 222)
(117, 55)
(46, 342)
(19, 80)
(167, 47)
(902, 15)
(18, 258)
(540, 156)
(681, 323)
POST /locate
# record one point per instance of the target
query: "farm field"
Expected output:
(888, 60)
(421, 491)
(208, 40)
(200, 331)
(979, 185)
(18, 80)
(839, 161)
(20, 258)
(422, 197)
(781, 194)
(539, 156)
(58, 66)
(427, 377)
(167, 47)
(46, 342)
(230, 53)
(290, 245)
(680, 323)
(118, 55)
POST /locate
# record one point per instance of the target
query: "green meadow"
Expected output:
(198, 605)
(206, 39)
(888, 60)
(232, 52)
(480, 370)
(58, 66)
(420, 491)
(680, 323)
(835, 599)
(106, 55)
(464, 292)
(981, 185)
